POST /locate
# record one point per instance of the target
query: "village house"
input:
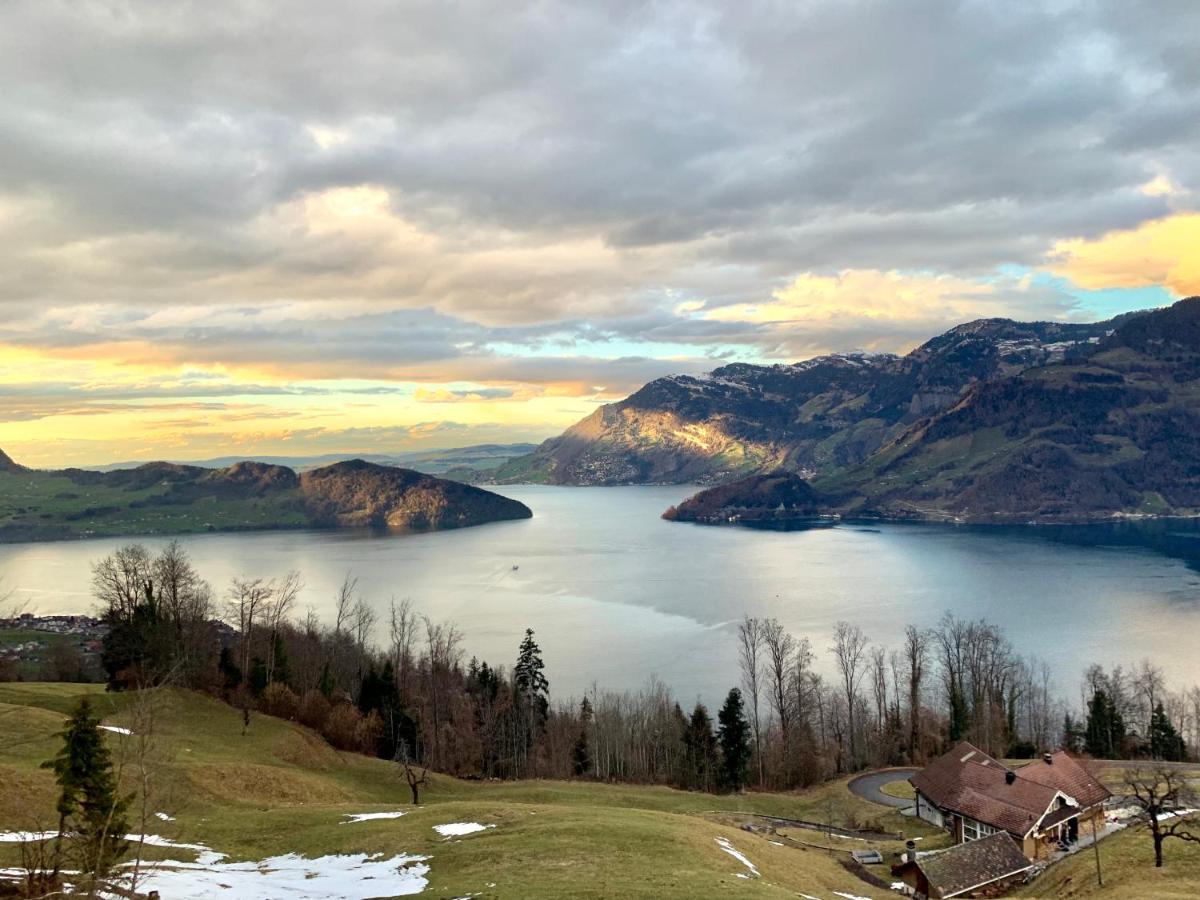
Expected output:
(1044, 805)
(985, 866)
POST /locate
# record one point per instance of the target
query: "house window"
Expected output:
(973, 831)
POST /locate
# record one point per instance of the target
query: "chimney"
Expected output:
(1048, 759)
(1010, 776)
(910, 851)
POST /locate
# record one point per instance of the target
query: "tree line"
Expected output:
(416, 696)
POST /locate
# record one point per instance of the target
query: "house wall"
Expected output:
(927, 812)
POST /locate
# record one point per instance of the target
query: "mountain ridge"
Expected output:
(811, 417)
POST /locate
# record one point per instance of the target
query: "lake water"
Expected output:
(616, 595)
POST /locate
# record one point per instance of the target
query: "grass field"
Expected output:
(281, 789)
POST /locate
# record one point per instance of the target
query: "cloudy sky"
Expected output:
(256, 227)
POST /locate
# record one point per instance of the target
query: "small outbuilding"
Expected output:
(981, 867)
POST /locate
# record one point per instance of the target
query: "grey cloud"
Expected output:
(714, 150)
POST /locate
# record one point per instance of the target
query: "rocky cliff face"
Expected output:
(814, 417)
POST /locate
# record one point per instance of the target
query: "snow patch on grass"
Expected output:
(724, 844)
(457, 829)
(851, 896)
(356, 876)
(116, 729)
(165, 817)
(24, 837)
(351, 818)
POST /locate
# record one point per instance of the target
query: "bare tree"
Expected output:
(849, 646)
(247, 599)
(119, 580)
(750, 652)
(780, 648)
(916, 649)
(277, 612)
(1165, 802)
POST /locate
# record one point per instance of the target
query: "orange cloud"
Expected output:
(1161, 252)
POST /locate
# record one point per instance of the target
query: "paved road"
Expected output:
(868, 787)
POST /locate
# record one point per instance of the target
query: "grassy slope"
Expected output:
(281, 789)
(1127, 861)
(44, 504)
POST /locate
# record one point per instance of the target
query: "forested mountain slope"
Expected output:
(1113, 432)
(812, 417)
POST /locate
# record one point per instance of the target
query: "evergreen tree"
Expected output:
(1104, 734)
(733, 736)
(258, 675)
(1072, 734)
(531, 683)
(231, 675)
(1165, 741)
(700, 750)
(283, 668)
(89, 809)
(325, 683)
(581, 757)
(136, 650)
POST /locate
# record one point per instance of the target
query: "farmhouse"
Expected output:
(1042, 805)
(985, 865)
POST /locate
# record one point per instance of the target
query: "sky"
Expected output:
(298, 228)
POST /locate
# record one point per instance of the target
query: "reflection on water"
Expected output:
(617, 595)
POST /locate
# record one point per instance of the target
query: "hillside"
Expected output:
(1114, 432)
(465, 460)
(769, 497)
(163, 498)
(279, 790)
(813, 417)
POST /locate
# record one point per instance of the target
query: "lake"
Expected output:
(617, 595)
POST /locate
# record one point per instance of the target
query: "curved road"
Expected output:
(868, 786)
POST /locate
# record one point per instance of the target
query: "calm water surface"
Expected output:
(617, 595)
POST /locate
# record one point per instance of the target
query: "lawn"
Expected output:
(281, 789)
(1127, 863)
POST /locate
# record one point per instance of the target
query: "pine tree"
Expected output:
(1104, 734)
(282, 672)
(89, 809)
(733, 736)
(230, 673)
(325, 683)
(581, 757)
(531, 681)
(700, 750)
(1165, 742)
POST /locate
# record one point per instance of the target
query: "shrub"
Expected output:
(314, 710)
(279, 700)
(342, 727)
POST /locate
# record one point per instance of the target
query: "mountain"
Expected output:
(813, 417)
(767, 497)
(458, 460)
(166, 498)
(1111, 432)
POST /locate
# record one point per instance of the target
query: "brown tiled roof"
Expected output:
(1065, 774)
(969, 782)
(966, 866)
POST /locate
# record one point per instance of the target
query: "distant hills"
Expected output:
(460, 463)
(166, 498)
(993, 421)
